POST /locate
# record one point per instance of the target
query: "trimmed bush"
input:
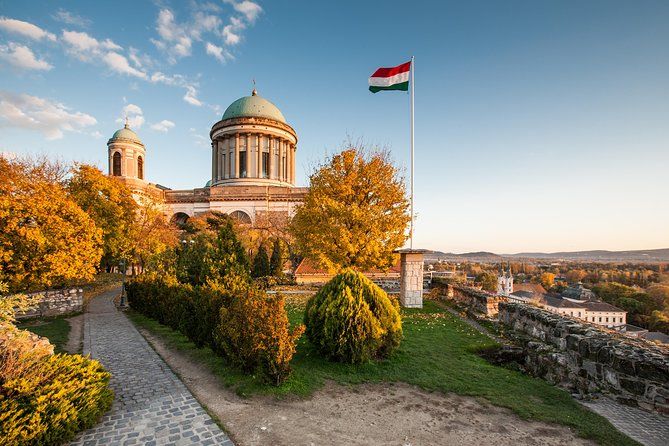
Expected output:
(20, 351)
(240, 323)
(61, 396)
(352, 320)
(254, 334)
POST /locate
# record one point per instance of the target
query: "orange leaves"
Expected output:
(46, 239)
(355, 213)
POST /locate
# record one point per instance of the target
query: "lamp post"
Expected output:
(124, 296)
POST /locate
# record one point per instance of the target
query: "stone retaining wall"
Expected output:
(586, 358)
(475, 299)
(55, 303)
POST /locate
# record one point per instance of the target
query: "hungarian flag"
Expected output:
(395, 78)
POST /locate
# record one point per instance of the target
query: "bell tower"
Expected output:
(126, 155)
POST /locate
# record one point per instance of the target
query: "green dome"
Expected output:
(253, 106)
(126, 133)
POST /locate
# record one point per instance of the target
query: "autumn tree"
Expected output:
(547, 280)
(110, 204)
(355, 213)
(46, 238)
(261, 263)
(488, 281)
(575, 275)
(276, 260)
(150, 235)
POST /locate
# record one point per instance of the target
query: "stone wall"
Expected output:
(55, 303)
(476, 300)
(586, 358)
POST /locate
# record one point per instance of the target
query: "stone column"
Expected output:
(237, 155)
(271, 157)
(292, 164)
(213, 162)
(248, 155)
(411, 277)
(258, 157)
(282, 151)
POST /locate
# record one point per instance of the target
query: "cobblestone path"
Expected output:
(647, 428)
(151, 405)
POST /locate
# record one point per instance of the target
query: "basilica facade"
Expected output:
(253, 152)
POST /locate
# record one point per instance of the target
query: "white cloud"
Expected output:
(162, 126)
(120, 64)
(134, 114)
(52, 119)
(175, 40)
(70, 18)
(191, 96)
(231, 32)
(249, 9)
(215, 51)
(22, 57)
(85, 47)
(25, 29)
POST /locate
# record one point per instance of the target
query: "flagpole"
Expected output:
(411, 81)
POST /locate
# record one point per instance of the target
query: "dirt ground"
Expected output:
(75, 339)
(368, 414)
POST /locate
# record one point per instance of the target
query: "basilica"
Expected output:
(253, 152)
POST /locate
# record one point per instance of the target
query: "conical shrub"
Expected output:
(352, 320)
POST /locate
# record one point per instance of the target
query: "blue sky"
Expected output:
(540, 125)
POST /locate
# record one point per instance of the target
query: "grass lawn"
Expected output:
(437, 353)
(56, 329)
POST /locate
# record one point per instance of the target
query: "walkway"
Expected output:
(151, 405)
(647, 428)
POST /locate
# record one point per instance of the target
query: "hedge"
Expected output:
(61, 396)
(246, 326)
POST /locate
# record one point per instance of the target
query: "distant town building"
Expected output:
(504, 282)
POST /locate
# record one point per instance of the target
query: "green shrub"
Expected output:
(60, 396)
(239, 322)
(254, 334)
(353, 320)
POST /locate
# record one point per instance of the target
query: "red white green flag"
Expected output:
(394, 78)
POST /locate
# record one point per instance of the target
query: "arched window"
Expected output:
(116, 164)
(241, 216)
(140, 168)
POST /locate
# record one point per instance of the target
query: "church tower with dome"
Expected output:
(252, 173)
(126, 154)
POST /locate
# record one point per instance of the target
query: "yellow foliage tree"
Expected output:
(110, 204)
(46, 239)
(151, 234)
(355, 213)
(547, 280)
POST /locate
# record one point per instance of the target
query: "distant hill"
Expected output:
(647, 255)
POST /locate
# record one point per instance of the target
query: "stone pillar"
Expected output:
(258, 157)
(282, 151)
(213, 162)
(411, 277)
(248, 155)
(292, 164)
(270, 149)
(237, 155)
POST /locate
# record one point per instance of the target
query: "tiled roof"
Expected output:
(531, 287)
(591, 305)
